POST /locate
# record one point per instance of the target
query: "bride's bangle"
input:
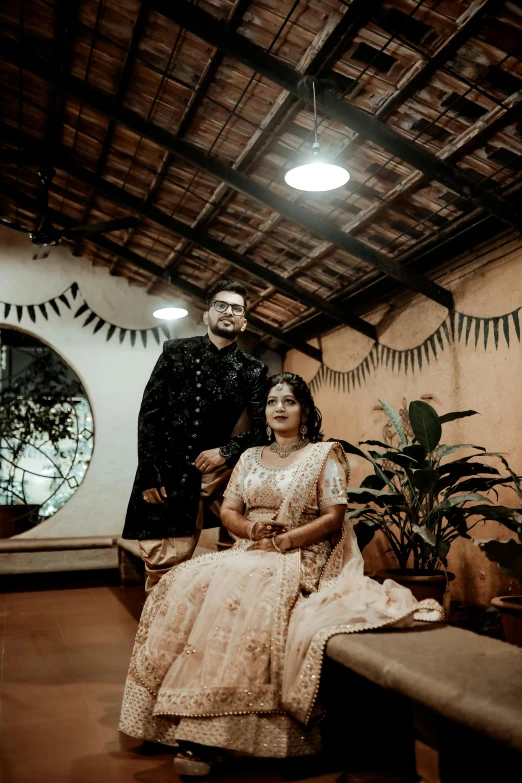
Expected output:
(251, 530)
(276, 547)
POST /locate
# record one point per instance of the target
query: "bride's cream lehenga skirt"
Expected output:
(207, 665)
(230, 646)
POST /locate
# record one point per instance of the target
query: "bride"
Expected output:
(229, 648)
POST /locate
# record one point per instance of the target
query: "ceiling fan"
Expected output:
(45, 235)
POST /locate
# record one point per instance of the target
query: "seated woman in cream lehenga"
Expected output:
(229, 648)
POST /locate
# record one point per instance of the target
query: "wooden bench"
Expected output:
(46, 555)
(464, 691)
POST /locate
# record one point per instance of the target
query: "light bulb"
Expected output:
(170, 313)
(317, 176)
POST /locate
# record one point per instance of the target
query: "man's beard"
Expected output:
(221, 330)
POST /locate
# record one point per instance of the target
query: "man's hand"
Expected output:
(209, 461)
(154, 495)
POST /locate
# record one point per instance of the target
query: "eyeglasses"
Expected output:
(222, 307)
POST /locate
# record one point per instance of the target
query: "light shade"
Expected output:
(317, 176)
(170, 313)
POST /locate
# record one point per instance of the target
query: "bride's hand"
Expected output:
(265, 545)
(268, 530)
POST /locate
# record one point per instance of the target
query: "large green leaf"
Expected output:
(456, 499)
(349, 448)
(456, 415)
(364, 533)
(425, 533)
(377, 443)
(416, 452)
(424, 479)
(425, 424)
(397, 458)
(363, 495)
(397, 423)
(445, 451)
(508, 555)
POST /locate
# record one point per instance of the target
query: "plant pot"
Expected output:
(423, 584)
(16, 519)
(510, 607)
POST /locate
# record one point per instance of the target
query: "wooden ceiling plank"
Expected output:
(204, 26)
(309, 220)
(154, 269)
(199, 237)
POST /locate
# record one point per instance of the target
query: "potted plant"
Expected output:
(422, 495)
(35, 413)
(508, 554)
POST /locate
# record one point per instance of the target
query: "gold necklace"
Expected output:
(284, 451)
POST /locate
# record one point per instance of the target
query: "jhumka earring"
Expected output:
(303, 429)
(269, 433)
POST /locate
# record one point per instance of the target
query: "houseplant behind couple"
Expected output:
(229, 649)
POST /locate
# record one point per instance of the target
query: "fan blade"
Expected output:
(8, 223)
(102, 228)
(19, 158)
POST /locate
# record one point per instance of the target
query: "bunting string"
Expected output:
(466, 329)
(71, 298)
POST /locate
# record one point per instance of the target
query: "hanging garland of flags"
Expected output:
(459, 326)
(456, 326)
(72, 297)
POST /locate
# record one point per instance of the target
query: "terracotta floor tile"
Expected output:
(78, 634)
(69, 737)
(95, 618)
(103, 693)
(109, 655)
(23, 620)
(36, 656)
(54, 768)
(32, 702)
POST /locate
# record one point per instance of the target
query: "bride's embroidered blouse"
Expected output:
(262, 487)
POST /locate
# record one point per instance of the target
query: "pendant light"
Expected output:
(170, 313)
(318, 175)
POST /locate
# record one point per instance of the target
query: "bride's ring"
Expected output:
(269, 527)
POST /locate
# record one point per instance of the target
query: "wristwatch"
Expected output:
(226, 451)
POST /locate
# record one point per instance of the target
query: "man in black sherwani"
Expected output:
(196, 394)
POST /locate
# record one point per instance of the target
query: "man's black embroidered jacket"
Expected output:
(192, 402)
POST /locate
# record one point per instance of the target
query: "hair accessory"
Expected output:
(279, 387)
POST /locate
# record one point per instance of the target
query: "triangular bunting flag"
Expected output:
(477, 330)
(517, 323)
(143, 333)
(7, 310)
(468, 327)
(433, 346)
(110, 332)
(438, 335)
(460, 325)
(19, 312)
(495, 330)
(90, 318)
(64, 299)
(452, 324)
(406, 361)
(155, 332)
(486, 332)
(446, 331)
(165, 331)
(81, 310)
(32, 314)
(132, 336)
(505, 326)
(427, 350)
(74, 290)
(43, 310)
(419, 357)
(55, 307)
(99, 325)
(123, 332)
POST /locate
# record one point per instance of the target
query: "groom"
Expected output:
(196, 394)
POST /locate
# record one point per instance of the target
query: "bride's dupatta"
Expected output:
(347, 602)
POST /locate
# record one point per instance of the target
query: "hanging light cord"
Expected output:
(315, 145)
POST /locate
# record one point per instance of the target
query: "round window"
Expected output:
(46, 432)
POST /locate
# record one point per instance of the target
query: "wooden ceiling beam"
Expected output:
(326, 47)
(196, 236)
(234, 20)
(151, 268)
(206, 27)
(297, 214)
(126, 74)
